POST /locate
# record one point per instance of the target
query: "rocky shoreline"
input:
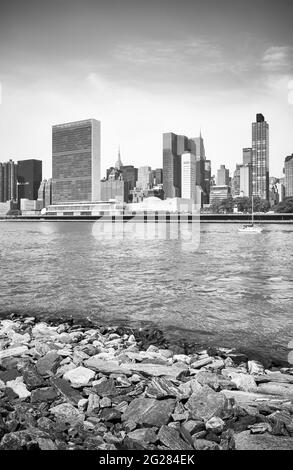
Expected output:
(74, 386)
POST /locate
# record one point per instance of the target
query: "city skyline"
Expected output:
(144, 70)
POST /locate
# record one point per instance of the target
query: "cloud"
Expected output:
(278, 59)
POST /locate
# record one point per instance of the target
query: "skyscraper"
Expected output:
(289, 175)
(260, 157)
(172, 164)
(76, 161)
(8, 179)
(144, 177)
(223, 176)
(188, 176)
(45, 192)
(29, 178)
(247, 156)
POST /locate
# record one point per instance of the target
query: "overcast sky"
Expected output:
(143, 68)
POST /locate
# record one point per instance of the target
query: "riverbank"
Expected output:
(71, 386)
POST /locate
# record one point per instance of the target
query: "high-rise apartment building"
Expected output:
(76, 155)
(29, 178)
(260, 157)
(8, 181)
(223, 176)
(289, 175)
(236, 181)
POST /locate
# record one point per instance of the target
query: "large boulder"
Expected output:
(149, 411)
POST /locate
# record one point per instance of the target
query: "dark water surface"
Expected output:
(232, 290)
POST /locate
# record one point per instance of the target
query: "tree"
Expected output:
(285, 206)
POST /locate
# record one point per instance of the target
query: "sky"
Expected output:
(143, 68)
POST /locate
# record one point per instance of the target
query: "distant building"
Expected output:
(7, 207)
(219, 193)
(8, 180)
(76, 158)
(189, 189)
(207, 182)
(118, 163)
(223, 176)
(245, 180)
(129, 173)
(289, 175)
(138, 195)
(247, 156)
(29, 178)
(30, 207)
(260, 157)
(144, 178)
(114, 187)
(174, 146)
(236, 181)
(172, 150)
(158, 176)
(45, 192)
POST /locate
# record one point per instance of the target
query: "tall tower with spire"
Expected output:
(118, 163)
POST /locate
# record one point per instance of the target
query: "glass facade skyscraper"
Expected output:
(29, 177)
(8, 179)
(260, 157)
(289, 176)
(76, 161)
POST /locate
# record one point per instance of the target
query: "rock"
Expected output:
(149, 411)
(93, 403)
(106, 402)
(31, 377)
(192, 426)
(45, 394)
(171, 439)
(67, 413)
(202, 444)
(260, 428)
(280, 389)
(244, 382)
(106, 388)
(161, 388)
(209, 378)
(42, 330)
(66, 390)
(201, 363)
(255, 368)
(181, 358)
(48, 364)
(206, 403)
(10, 352)
(7, 375)
(18, 387)
(187, 388)
(274, 377)
(250, 401)
(247, 441)
(80, 376)
(144, 435)
(106, 367)
(215, 424)
(46, 444)
(110, 414)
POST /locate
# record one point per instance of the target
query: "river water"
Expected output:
(222, 288)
